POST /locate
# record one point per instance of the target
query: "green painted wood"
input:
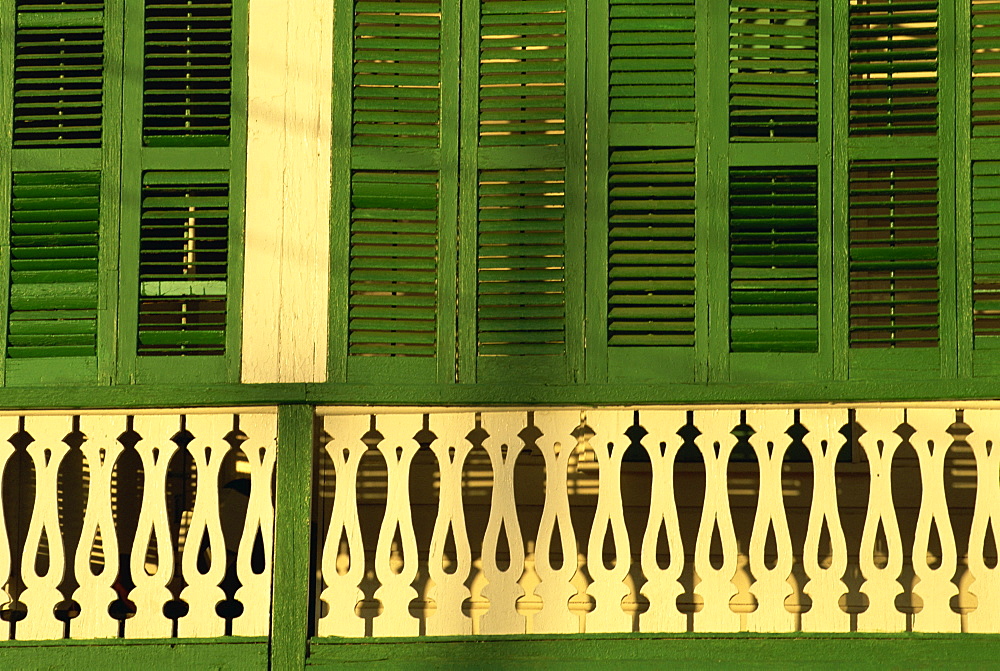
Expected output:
(293, 574)
(761, 651)
(211, 653)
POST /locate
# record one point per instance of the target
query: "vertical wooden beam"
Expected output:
(289, 144)
(292, 537)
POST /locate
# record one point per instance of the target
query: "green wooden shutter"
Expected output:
(778, 279)
(642, 321)
(773, 69)
(522, 181)
(58, 181)
(182, 190)
(898, 214)
(395, 189)
(773, 252)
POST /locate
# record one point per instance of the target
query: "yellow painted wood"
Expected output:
(286, 267)
(608, 588)
(770, 587)
(449, 574)
(396, 564)
(662, 584)
(985, 441)
(931, 442)
(557, 445)
(344, 565)
(502, 589)
(716, 588)
(101, 451)
(8, 427)
(881, 585)
(826, 578)
(208, 450)
(260, 450)
(41, 593)
(155, 449)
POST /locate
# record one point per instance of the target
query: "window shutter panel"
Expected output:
(58, 184)
(642, 323)
(180, 262)
(398, 186)
(773, 251)
(779, 273)
(529, 177)
(899, 200)
(773, 69)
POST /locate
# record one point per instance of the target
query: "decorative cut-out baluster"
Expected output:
(985, 442)
(502, 589)
(203, 593)
(8, 427)
(41, 595)
(826, 585)
(770, 441)
(451, 447)
(398, 447)
(155, 450)
(931, 442)
(343, 573)
(716, 588)
(254, 593)
(662, 584)
(101, 449)
(881, 585)
(556, 444)
(608, 588)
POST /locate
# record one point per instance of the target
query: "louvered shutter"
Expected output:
(898, 205)
(182, 190)
(523, 208)
(641, 191)
(395, 189)
(57, 189)
(978, 148)
(778, 279)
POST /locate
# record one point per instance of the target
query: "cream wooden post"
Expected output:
(985, 442)
(662, 584)
(557, 445)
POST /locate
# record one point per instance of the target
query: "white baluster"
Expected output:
(770, 442)
(95, 594)
(662, 584)
(398, 447)
(985, 442)
(8, 427)
(343, 573)
(41, 595)
(502, 588)
(935, 586)
(255, 588)
(155, 450)
(203, 593)
(451, 447)
(826, 585)
(881, 584)
(557, 445)
(716, 587)
(608, 588)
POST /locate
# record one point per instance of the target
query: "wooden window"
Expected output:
(118, 189)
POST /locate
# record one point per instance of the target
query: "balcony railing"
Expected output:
(161, 525)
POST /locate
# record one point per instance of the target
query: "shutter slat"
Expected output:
(53, 273)
(183, 263)
(893, 237)
(773, 259)
(187, 68)
(889, 44)
(58, 74)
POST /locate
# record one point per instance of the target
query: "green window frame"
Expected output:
(121, 177)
